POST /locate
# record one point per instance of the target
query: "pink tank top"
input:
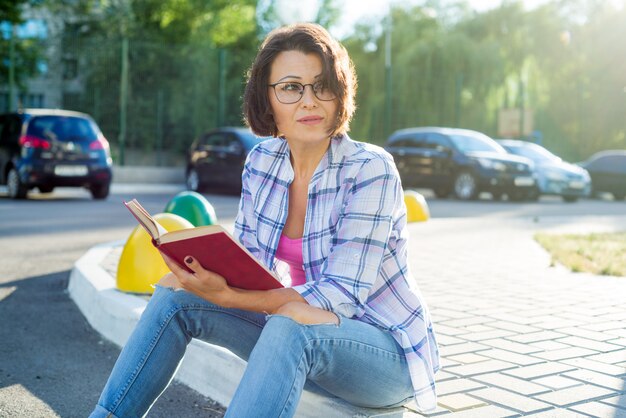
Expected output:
(290, 251)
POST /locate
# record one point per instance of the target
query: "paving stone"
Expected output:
(459, 401)
(467, 347)
(511, 346)
(521, 359)
(619, 400)
(513, 384)
(487, 335)
(512, 326)
(411, 406)
(619, 341)
(537, 336)
(557, 382)
(598, 409)
(598, 379)
(487, 366)
(464, 322)
(516, 318)
(613, 357)
(467, 358)
(442, 376)
(478, 328)
(559, 413)
(549, 345)
(450, 313)
(488, 411)
(593, 345)
(565, 353)
(617, 332)
(511, 400)
(539, 370)
(596, 366)
(555, 323)
(457, 385)
(443, 340)
(584, 333)
(576, 394)
(605, 326)
(446, 330)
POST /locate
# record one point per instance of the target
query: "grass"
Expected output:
(602, 254)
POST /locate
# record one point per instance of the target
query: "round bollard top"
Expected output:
(141, 265)
(416, 207)
(192, 206)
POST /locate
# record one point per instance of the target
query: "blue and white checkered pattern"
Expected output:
(354, 242)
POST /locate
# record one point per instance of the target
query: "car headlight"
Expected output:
(491, 164)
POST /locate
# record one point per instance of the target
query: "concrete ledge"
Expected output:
(114, 315)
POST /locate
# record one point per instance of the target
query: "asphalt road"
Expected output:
(51, 362)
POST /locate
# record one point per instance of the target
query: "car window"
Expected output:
(615, 163)
(219, 139)
(62, 128)
(438, 141)
(598, 163)
(412, 141)
(534, 152)
(470, 143)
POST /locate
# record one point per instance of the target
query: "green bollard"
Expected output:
(192, 206)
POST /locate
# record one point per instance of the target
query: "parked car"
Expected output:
(46, 148)
(459, 161)
(217, 157)
(608, 172)
(554, 176)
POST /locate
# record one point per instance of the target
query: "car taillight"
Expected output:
(100, 143)
(34, 142)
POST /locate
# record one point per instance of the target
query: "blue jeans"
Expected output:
(354, 361)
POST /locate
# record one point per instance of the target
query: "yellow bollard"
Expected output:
(140, 264)
(416, 207)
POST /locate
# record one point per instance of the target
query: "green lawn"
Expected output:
(603, 254)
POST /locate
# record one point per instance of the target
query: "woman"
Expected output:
(353, 321)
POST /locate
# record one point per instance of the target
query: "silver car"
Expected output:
(554, 176)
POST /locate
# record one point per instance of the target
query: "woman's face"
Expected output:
(310, 119)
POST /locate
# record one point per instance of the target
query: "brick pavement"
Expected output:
(517, 335)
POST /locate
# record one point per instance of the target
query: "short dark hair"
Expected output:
(337, 72)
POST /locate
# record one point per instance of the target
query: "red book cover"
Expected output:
(214, 248)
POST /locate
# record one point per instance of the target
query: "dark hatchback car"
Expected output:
(608, 172)
(459, 161)
(217, 157)
(47, 148)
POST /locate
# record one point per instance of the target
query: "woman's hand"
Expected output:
(204, 283)
(304, 313)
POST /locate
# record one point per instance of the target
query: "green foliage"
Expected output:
(563, 60)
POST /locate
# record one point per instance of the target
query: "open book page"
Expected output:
(152, 227)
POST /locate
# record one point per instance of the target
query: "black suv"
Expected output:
(460, 161)
(47, 148)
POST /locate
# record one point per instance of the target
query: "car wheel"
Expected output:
(46, 189)
(619, 195)
(465, 186)
(570, 199)
(193, 180)
(442, 192)
(17, 189)
(99, 191)
(496, 195)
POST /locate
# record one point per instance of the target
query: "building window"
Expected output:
(31, 100)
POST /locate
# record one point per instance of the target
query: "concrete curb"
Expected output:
(114, 314)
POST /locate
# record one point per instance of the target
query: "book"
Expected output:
(214, 248)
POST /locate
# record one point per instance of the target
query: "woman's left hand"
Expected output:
(204, 283)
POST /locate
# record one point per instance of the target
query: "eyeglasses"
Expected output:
(289, 92)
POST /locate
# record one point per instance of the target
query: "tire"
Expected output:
(442, 192)
(17, 189)
(619, 195)
(46, 189)
(193, 180)
(570, 199)
(496, 195)
(517, 196)
(99, 191)
(465, 186)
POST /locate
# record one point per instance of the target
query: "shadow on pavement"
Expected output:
(52, 363)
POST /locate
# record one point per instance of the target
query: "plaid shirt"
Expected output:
(354, 243)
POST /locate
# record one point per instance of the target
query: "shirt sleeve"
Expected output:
(244, 230)
(360, 241)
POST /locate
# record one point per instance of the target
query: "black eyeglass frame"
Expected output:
(273, 86)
